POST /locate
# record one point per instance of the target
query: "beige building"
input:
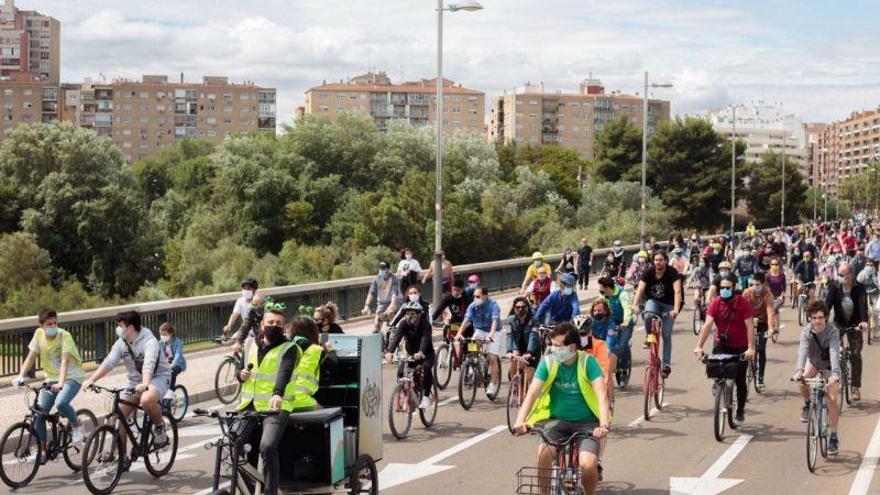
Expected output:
(26, 100)
(848, 146)
(375, 95)
(531, 115)
(144, 117)
(813, 133)
(764, 127)
(29, 42)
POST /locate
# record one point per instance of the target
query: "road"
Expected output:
(471, 452)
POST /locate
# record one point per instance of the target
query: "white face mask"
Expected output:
(538, 263)
(585, 340)
(165, 338)
(120, 332)
(408, 257)
(247, 294)
(567, 291)
(413, 298)
(562, 353)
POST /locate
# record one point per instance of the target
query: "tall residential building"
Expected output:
(764, 127)
(374, 94)
(143, 117)
(531, 115)
(29, 42)
(813, 133)
(26, 100)
(849, 145)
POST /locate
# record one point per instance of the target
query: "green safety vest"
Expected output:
(541, 410)
(305, 379)
(258, 388)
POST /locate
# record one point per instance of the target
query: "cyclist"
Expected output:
(532, 271)
(447, 273)
(408, 270)
(617, 259)
(848, 300)
(716, 255)
(250, 323)
(385, 291)
(620, 306)
(637, 268)
(485, 316)
(62, 367)
(745, 267)
(413, 294)
(540, 288)
(694, 246)
(868, 278)
(872, 250)
(751, 230)
(456, 302)
(566, 264)
(243, 304)
(732, 315)
(416, 330)
(568, 392)
(522, 337)
(172, 349)
(848, 242)
(805, 272)
(775, 281)
(562, 305)
(147, 373)
(584, 263)
(679, 261)
(662, 288)
(598, 335)
(762, 301)
(819, 350)
(325, 317)
(701, 277)
(473, 283)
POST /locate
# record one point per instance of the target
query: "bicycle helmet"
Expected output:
(411, 306)
(724, 264)
(383, 265)
(537, 256)
(567, 279)
(250, 281)
(642, 254)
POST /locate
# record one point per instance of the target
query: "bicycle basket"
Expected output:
(723, 366)
(534, 481)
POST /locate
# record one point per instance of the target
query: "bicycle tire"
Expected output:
(647, 386)
(401, 409)
(751, 377)
(822, 428)
(729, 401)
(467, 398)
(801, 310)
(99, 440)
(443, 363)
(844, 381)
(428, 421)
(718, 422)
(812, 439)
(513, 401)
(27, 432)
(73, 454)
(180, 404)
(222, 382)
(363, 465)
(660, 392)
(696, 320)
(171, 432)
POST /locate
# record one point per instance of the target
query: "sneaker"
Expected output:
(856, 394)
(665, 371)
(160, 438)
(492, 389)
(740, 417)
(425, 403)
(599, 468)
(805, 412)
(833, 444)
(79, 435)
(761, 384)
(169, 395)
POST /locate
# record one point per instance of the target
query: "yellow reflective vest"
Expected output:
(258, 388)
(306, 376)
(541, 409)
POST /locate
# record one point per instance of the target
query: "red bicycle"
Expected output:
(406, 396)
(449, 356)
(654, 384)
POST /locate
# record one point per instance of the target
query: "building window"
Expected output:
(8, 92)
(27, 105)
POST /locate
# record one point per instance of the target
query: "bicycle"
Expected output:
(406, 396)
(653, 384)
(516, 391)
(475, 373)
(104, 453)
(544, 332)
(845, 368)
(818, 427)
(227, 386)
(563, 477)
(621, 374)
(20, 448)
(176, 401)
(722, 369)
(449, 356)
(802, 301)
(699, 312)
(872, 333)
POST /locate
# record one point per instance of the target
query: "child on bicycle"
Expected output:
(172, 349)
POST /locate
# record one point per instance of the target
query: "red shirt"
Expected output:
(730, 319)
(850, 243)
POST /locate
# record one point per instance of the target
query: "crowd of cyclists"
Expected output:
(573, 361)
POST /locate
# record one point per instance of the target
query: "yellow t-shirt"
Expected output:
(532, 272)
(50, 355)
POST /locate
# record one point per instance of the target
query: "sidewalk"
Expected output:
(199, 376)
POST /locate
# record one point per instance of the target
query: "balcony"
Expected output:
(550, 138)
(381, 112)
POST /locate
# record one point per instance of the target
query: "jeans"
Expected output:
(61, 401)
(663, 309)
(622, 348)
(742, 386)
(270, 436)
(744, 281)
(761, 348)
(856, 341)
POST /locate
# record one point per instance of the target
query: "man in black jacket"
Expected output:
(848, 300)
(415, 329)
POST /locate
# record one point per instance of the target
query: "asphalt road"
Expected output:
(471, 452)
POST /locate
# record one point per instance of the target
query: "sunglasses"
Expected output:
(520, 307)
(774, 264)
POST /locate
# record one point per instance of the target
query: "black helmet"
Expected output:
(250, 281)
(383, 265)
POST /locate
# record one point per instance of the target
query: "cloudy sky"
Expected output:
(819, 59)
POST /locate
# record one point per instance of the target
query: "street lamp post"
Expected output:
(733, 175)
(782, 214)
(437, 278)
(645, 155)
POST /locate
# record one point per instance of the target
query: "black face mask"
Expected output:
(273, 334)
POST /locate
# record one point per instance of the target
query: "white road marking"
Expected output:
(710, 483)
(862, 482)
(640, 419)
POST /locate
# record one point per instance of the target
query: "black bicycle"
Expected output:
(20, 447)
(227, 386)
(722, 369)
(105, 456)
(475, 372)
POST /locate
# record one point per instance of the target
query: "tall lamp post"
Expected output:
(437, 278)
(733, 176)
(645, 154)
(782, 214)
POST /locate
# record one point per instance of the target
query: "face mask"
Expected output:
(562, 353)
(247, 294)
(600, 316)
(758, 288)
(472, 285)
(567, 291)
(51, 331)
(585, 340)
(478, 302)
(521, 311)
(165, 338)
(120, 332)
(412, 319)
(716, 251)
(841, 279)
(807, 258)
(726, 293)
(413, 298)
(383, 273)
(273, 333)
(702, 264)
(538, 264)
(642, 261)
(408, 257)
(724, 273)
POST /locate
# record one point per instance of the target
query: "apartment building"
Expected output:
(813, 133)
(29, 42)
(531, 115)
(25, 99)
(143, 117)
(375, 95)
(764, 127)
(848, 146)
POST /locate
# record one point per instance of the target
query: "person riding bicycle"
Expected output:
(413, 294)
(732, 315)
(172, 349)
(147, 373)
(762, 301)
(637, 268)
(872, 250)
(599, 335)
(485, 316)
(715, 252)
(620, 306)
(385, 291)
(243, 304)
(724, 269)
(819, 350)
(617, 265)
(250, 323)
(745, 266)
(805, 273)
(456, 302)
(568, 396)
(848, 300)
(522, 337)
(775, 281)
(868, 278)
(662, 288)
(532, 271)
(473, 283)
(678, 260)
(701, 277)
(540, 288)
(566, 264)
(447, 273)
(415, 329)
(63, 370)
(562, 305)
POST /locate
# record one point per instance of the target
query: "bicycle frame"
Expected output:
(138, 442)
(564, 476)
(240, 469)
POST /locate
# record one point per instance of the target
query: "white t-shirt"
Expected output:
(406, 266)
(242, 307)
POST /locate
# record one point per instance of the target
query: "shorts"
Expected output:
(382, 307)
(559, 431)
(160, 383)
(493, 347)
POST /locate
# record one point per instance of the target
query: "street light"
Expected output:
(437, 278)
(733, 175)
(782, 214)
(645, 153)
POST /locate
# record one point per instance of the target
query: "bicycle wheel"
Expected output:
(488, 377)
(697, 321)
(514, 400)
(399, 412)
(812, 439)
(180, 403)
(443, 366)
(660, 392)
(102, 460)
(793, 295)
(729, 401)
(844, 382)
(429, 415)
(648, 390)
(226, 384)
(719, 422)
(364, 478)
(467, 384)
(752, 376)
(801, 310)
(73, 452)
(20, 454)
(159, 460)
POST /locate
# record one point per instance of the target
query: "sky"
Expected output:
(819, 59)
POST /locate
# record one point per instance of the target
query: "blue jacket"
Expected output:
(175, 349)
(481, 316)
(523, 334)
(601, 327)
(559, 307)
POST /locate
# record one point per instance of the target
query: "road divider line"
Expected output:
(464, 445)
(710, 483)
(862, 482)
(641, 419)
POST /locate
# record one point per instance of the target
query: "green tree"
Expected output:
(22, 263)
(561, 164)
(764, 192)
(617, 151)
